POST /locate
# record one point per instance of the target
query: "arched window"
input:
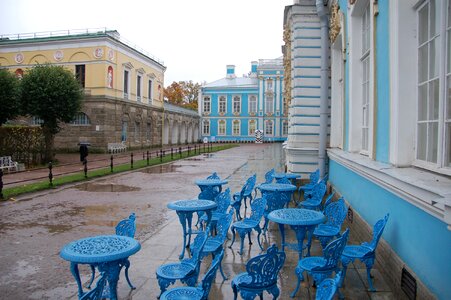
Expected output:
(80, 119)
(269, 127)
(253, 104)
(221, 127)
(222, 104)
(252, 127)
(236, 127)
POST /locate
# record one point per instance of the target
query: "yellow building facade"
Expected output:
(123, 86)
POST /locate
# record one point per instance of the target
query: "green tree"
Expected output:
(53, 94)
(9, 96)
(183, 93)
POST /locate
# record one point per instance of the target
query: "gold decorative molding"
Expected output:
(335, 22)
(287, 63)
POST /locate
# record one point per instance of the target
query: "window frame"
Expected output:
(205, 125)
(204, 104)
(80, 74)
(222, 127)
(269, 103)
(254, 122)
(236, 131)
(269, 133)
(236, 103)
(149, 91)
(81, 119)
(252, 104)
(138, 87)
(222, 105)
(126, 82)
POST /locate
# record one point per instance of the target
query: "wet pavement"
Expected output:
(34, 228)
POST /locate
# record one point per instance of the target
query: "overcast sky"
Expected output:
(196, 39)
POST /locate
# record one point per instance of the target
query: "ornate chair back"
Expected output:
(127, 227)
(336, 213)
(317, 193)
(196, 249)
(332, 253)
(284, 180)
(328, 200)
(269, 176)
(97, 292)
(314, 177)
(249, 186)
(224, 225)
(328, 287)
(208, 278)
(214, 175)
(223, 201)
(378, 229)
(208, 193)
(264, 269)
(258, 208)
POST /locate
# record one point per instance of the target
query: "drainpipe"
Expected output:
(323, 114)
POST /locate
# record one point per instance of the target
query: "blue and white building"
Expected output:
(233, 108)
(389, 143)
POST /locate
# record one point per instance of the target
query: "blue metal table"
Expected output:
(277, 196)
(291, 176)
(107, 252)
(214, 185)
(185, 210)
(300, 220)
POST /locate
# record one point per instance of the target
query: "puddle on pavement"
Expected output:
(169, 168)
(105, 188)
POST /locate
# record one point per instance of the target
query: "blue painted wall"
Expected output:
(422, 241)
(383, 83)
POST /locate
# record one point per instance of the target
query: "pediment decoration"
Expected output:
(141, 71)
(128, 65)
(151, 75)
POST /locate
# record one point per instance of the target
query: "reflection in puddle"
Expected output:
(102, 188)
(195, 159)
(168, 168)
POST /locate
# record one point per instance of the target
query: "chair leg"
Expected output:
(298, 272)
(233, 237)
(242, 237)
(127, 265)
(369, 265)
(257, 228)
(344, 263)
(249, 237)
(93, 269)
(235, 291)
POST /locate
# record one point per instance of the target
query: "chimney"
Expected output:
(254, 65)
(231, 71)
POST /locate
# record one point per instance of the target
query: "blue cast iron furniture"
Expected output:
(335, 213)
(245, 193)
(314, 197)
(126, 227)
(210, 187)
(185, 210)
(290, 176)
(261, 275)
(277, 196)
(246, 225)
(96, 293)
(321, 267)
(214, 244)
(202, 290)
(269, 176)
(187, 271)
(223, 202)
(314, 179)
(328, 288)
(300, 220)
(109, 253)
(328, 201)
(366, 252)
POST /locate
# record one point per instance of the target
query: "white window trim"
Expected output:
(233, 104)
(266, 127)
(225, 127)
(203, 127)
(233, 127)
(126, 95)
(338, 93)
(150, 91)
(219, 104)
(256, 104)
(249, 127)
(272, 103)
(203, 103)
(355, 84)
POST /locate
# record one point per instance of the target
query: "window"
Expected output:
(138, 88)
(207, 104)
(80, 73)
(434, 107)
(149, 132)
(252, 104)
(269, 85)
(236, 104)
(221, 127)
(269, 103)
(137, 131)
(269, 127)
(365, 65)
(124, 131)
(205, 127)
(126, 83)
(80, 119)
(236, 127)
(149, 93)
(252, 127)
(222, 104)
(285, 128)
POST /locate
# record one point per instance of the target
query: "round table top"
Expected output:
(296, 216)
(211, 182)
(101, 248)
(192, 205)
(287, 175)
(277, 187)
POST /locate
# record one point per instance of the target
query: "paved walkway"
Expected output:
(162, 244)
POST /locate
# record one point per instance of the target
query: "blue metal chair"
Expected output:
(366, 252)
(96, 293)
(328, 201)
(321, 267)
(223, 201)
(314, 179)
(245, 193)
(328, 288)
(269, 176)
(202, 290)
(284, 180)
(336, 214)
(214, 244)
(126, 227)
(187, 271)
(246, 225)
(261, 275)
(315, 197)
